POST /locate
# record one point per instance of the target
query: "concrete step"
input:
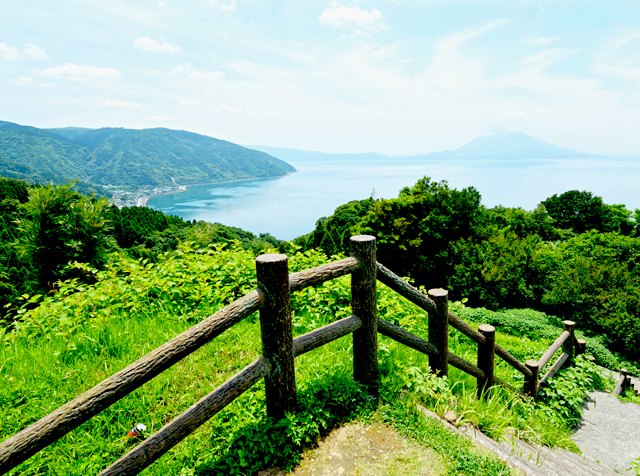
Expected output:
(531, 460)
(561, 461)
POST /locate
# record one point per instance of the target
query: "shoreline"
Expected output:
(142, 201)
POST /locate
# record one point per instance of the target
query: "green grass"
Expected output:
(50, 360)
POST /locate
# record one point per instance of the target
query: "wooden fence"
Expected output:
(276, 365)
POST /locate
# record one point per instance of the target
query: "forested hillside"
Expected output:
(573, 256)
(45, 229)
(128, 158)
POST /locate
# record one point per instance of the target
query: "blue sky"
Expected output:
(394, 77)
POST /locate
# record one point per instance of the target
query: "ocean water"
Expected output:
(289, 206)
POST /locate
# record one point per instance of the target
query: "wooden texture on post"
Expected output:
(554, 368)
(553, 349)
(405, 337)
(620, 385)
(568, 346)
(179, 428)
(486, 359)
(399, 285)
(531, 383)
(363, 304)
(439, 332)
(466, 329)
(467, 367)
(581, 346)
(45, 431)
(272, 272)
(320, 274)
(319, 337)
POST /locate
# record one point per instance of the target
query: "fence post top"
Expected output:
(438, 292)
(531, 363)
(486, 328)
(271, 258)
(361, 238)
(568, 324)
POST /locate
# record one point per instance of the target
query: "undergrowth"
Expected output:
(82, 334)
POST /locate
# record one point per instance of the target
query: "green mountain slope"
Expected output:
(132, 158)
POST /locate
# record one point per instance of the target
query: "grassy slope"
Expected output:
(134, 310)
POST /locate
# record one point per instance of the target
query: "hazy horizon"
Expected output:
(395, 77)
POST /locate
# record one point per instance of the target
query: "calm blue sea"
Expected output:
(289, 206)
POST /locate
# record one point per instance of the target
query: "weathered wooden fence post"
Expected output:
(531, 383)
(622, 383)
(272, 272)
(486, 359)
(439, 332)
(568, 345)
(364, 305)
(581, 346)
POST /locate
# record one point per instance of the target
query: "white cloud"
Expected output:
(160, 118)
(34, 52)
(340, 15)
(147, 44)
(193, 73)
(611, 59)
(516, 114)
(10, 53)
(83, 73)
(227, 6)
(226, 108)
(189, 102)
(544, 58)
(117, 103)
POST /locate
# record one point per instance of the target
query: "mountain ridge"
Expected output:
(514, 146)
(133, 158)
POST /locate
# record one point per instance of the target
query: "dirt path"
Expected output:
(374, 450)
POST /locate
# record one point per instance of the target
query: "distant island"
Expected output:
(515, 146)
(109, 160)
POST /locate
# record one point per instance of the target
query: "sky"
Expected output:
(394, 77)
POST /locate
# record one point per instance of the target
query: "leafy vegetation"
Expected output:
(44, 229)
(85, 332)
(573, 256)
(96, 279)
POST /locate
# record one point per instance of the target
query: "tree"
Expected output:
(416, 230)
(581, 212)
(58, 226)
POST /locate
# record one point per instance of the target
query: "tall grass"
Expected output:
(84, 334)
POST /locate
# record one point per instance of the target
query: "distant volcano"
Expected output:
(516, 145)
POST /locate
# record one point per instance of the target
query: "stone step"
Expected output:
(531, 460)
(559, 459)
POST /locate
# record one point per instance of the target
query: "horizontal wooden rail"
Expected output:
(554, 368)
(468, 367)
(421, 345)
(399, 285)
(397, 333)
(179, 428)
(45, 431)
(320, 274)
(406, 290)
(319, 337)
(553, 349)
(470, 332)
(510, 387)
